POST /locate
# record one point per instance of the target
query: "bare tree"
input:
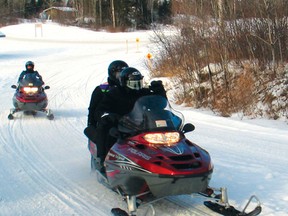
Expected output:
(251, 35)
(113, 14)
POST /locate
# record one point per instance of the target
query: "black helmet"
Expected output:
(131, 78)
(114, 70)
(29, 63)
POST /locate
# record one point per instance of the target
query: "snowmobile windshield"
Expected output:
(30, 80)
(151, 113)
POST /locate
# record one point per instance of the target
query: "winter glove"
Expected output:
(109, 118)
(157, 87)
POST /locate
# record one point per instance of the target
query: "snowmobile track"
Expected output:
(32, 163)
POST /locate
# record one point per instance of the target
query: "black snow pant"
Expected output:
(90, 132)
(103, 140)
(101, 137)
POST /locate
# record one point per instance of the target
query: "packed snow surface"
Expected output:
(45, 165)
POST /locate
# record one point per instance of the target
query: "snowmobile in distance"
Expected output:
(152, 159)
(30, 97)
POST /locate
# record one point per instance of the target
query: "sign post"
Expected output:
(38, 25)
(137, 43)
(149, 57)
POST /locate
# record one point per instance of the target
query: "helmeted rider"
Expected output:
(118, 102)
(30, 70)
(114, 70)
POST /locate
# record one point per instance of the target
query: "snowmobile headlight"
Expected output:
(30, 90)
(164, 138)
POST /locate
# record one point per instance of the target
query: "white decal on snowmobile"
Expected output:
(134, 151)
(161, 123)
(175, 150)
(116, 156)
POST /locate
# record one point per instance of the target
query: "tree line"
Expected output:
(139, 14)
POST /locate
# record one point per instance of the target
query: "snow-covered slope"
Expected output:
(45, 165)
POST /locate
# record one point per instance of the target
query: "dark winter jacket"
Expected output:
(23, 73)
(121, 100)
(96, 97)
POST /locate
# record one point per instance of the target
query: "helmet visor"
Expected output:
(135, 84)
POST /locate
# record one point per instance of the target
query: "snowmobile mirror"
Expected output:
(47, 87)
(114, 132)
(14, 86)
(188, 128)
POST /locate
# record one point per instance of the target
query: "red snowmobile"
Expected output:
(30, 97)
(152, 159)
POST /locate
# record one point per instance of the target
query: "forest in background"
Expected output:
(118, 14)
(229, 56)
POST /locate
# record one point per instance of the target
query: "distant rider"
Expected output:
(30, 70)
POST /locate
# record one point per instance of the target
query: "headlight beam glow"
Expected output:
(165, 138)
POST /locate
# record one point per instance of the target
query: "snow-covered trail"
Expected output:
(248, 158)
(45, 165)
(36, 151)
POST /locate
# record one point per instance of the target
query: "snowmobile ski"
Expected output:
(119, 212)
(228, 210)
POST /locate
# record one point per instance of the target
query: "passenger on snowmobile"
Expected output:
(30, 70)
(114, 70)
(118, 102)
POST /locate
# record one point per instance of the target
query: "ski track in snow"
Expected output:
(45, 165)
(38, 171)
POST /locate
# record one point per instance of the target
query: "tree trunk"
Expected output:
(113, 14)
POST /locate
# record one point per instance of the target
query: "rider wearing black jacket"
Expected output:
(30, 70)
(114, 70)
(90, 131)
(120, 101)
